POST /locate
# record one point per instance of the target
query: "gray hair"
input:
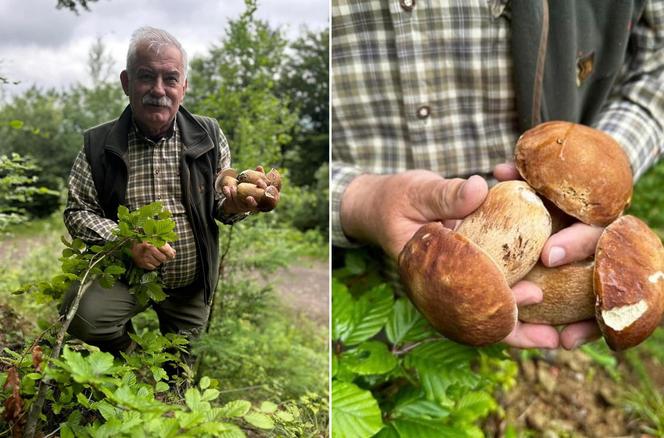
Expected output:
(155, 39)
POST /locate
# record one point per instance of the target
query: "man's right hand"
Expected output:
(149, 257)
(387, 210)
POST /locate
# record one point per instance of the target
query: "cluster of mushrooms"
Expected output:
(246, 184)
(460, 279)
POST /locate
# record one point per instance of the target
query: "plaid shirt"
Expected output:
(153, 175)
(431, 88)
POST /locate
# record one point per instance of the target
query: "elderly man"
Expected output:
(155, 151)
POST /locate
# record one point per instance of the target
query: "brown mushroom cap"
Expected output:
(582, 170)
(568, 294)
(457, 286)
(224, 178)
(629, 282)
(274, 178)
(512, 226)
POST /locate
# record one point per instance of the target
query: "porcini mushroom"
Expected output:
(582, 170)
(462, 287)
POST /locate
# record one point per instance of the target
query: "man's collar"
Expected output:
(168, 135)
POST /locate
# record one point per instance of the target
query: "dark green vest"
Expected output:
(106, 151)
(567, 55)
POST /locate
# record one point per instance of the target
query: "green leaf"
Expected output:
(82, 400)
(474, 405)
(443, 363)
(235, 408)
(342, 310)
(259, 420)
(123, 213)
(355, 412)
(16, 124)
(406, 324)
(354, 263)
(231, 431)
(335, 365)
(370, 357)
(371, 312)
(114, 270)
(106, 281)
(161, 387)
(355, 321)
(268, 407)
(285, 416)
(412, 428)
(210, 394)
(204, 383)
(417, 408)
(66, 432)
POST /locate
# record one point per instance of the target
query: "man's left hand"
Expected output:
(237, 204)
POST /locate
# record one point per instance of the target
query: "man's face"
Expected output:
(155, 88)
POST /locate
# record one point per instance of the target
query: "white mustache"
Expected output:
(162, 101)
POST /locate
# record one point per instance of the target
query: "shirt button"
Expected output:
(497, 9)
(156, 171)
(423, 112)
(407, 5)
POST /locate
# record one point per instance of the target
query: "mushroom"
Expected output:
(582, 170)
(272, 178)
(554, 159)
(629, 282)
(567, 294)
(460, 280)
(226, 177)
(245, 182)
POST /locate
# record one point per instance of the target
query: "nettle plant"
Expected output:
(81, 391)
(394, 376)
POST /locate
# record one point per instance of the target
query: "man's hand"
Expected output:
(235, 204)
(149, 257)
(387, 210)
(574, 243)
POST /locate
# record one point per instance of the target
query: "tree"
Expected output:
(305, 81)
(73, 5)
(100, 63)
(236, 84)
(52, 122)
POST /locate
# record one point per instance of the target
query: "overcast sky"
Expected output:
(42, 45)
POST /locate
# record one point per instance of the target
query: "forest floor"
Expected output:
(567, 394)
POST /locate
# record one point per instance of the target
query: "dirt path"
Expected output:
(304, 286)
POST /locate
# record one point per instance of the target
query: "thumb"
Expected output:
(455, 198)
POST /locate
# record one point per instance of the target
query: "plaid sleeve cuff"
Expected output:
(636, 131)
(342, 175)
(229, 219)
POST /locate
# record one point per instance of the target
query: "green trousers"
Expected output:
(104, 315)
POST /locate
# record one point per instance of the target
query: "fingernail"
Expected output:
(556, 255)
(578, 343)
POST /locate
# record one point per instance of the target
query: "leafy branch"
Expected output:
(84, 264)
